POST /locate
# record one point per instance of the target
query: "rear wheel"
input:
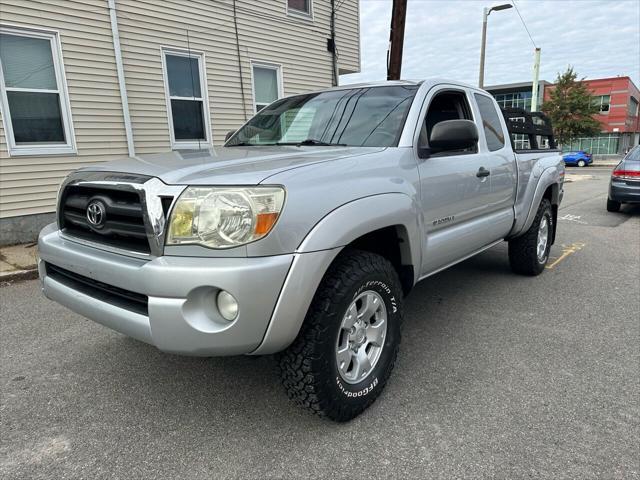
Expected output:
(612, 205)
(347, 346)
(529, 253)
(582, 163)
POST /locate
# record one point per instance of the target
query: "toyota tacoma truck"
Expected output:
(302, 235)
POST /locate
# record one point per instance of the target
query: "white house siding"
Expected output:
(28, 184)
(266, 34)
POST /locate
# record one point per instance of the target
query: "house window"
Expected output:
(602, 102)
(267, 85)
(187, 105)
(34, 101)
(633, 106)
(299, 7)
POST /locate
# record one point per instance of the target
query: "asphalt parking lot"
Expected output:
(499, 376)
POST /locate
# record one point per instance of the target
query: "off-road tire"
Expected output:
(308, 367)
(612, 205)
(523, 255)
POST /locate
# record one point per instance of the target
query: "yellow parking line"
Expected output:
(566, 251)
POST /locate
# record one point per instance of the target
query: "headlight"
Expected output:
(224, 217)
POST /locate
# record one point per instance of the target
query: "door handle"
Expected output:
(483, 172)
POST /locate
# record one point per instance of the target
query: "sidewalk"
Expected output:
(18, 262)
(605, 163)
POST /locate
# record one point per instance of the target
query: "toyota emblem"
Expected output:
(96, 214)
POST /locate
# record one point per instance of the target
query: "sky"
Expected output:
(599, 38)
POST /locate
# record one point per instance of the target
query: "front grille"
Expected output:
(124, 222)
(132, 301)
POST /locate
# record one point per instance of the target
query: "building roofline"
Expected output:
(506, 86)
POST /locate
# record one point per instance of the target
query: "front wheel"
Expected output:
(582, 163)
(348, 343)
(529, 253)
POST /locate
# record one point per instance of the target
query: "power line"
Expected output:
(524, 24)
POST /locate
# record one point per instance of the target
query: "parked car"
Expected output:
(624, 186)
(304, 233)
(579, 158)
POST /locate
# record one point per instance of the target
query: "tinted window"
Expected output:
(491, 123)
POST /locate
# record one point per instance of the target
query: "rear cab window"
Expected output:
(493, 131)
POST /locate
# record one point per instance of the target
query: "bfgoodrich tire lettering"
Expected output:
(309, 367)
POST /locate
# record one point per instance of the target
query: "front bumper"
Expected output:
(624, 192)
(182, 314)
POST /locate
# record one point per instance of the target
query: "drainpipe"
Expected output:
(121, 82)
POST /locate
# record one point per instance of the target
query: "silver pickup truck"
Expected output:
(303, 233)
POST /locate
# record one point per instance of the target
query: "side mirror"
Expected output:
(229, 134)
(453, 135)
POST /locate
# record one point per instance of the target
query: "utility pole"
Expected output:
(536, 75)
(332, 45)
(396, 39)
(483, 45)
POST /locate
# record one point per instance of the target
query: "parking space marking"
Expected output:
(573, 218)
(566, 251)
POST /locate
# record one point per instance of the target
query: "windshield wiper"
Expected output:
(303, 143)
(248, 144)
(313, 141)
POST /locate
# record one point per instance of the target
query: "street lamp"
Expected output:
(485, 14)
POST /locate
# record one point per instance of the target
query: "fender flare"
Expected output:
(322, 245)
(549, 177)
(352, 220)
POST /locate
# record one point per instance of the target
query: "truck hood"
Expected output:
(228, 165)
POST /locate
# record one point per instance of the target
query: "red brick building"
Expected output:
(618, 99)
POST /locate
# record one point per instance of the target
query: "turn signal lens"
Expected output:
(265, 222)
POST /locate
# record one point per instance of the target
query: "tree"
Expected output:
(570, 108)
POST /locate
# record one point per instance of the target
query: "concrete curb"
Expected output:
(18, 275)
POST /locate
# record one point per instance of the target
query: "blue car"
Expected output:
(579, 158)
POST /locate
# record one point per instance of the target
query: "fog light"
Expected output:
(227, 305)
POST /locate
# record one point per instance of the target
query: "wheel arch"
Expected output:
(386, 224)
(548, 186)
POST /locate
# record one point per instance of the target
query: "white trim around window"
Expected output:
(294, 12)
(268, 66)
(16, 147)
(187, 144)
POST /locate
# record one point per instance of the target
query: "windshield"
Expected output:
(363, 117)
